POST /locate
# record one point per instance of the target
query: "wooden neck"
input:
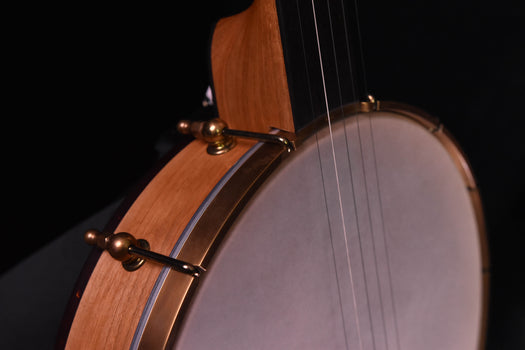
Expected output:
(266, 67)
(248, 71)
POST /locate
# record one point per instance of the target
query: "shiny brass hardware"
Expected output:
(221, 139)
(211, 131)
(133, 252)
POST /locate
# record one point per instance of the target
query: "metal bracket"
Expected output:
(221, 139)
(134, 252)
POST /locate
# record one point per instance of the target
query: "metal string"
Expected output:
(372, 237)
(382, 311)
(358, 226)
(345, 235)
(367, 200)
(323, 183)
(383, 229)
(333, 254)
(366, 191)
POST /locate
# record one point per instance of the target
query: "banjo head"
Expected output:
(369, 236)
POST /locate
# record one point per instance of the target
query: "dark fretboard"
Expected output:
(338, 32)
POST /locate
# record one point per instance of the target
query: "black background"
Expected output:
(90, 88)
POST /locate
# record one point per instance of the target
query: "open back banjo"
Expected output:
(310, 216)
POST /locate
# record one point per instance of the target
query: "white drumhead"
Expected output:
(392, 263)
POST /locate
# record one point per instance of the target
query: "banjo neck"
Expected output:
(266, 64)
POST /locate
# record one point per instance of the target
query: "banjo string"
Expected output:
(367, 199)
(369, 212)
(377, 184)
(341, 211)
(383, 230)
(351, 168)
(339, 290)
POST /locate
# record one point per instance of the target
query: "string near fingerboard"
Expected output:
(300, 50)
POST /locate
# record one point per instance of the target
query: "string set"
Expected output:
(340, 198)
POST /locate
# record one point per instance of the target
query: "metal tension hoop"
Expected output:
(134, 252)
(220, 137)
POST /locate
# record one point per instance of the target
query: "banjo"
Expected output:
(310, 215)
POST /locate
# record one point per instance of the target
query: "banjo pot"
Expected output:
(369, 236)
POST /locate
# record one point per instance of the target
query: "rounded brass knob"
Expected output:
(211, 131)
(184, 127)
(95, 237)
(118, 246)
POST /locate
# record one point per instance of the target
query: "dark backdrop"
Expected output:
(91, 88)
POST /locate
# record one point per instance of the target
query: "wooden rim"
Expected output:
(111, 225)
(113, 300)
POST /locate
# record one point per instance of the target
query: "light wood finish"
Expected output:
(114, 299)
(251, 91)
(248, 69)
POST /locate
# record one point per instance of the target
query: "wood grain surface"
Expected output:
(251, 92)
(114, 299)
(248, 69)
